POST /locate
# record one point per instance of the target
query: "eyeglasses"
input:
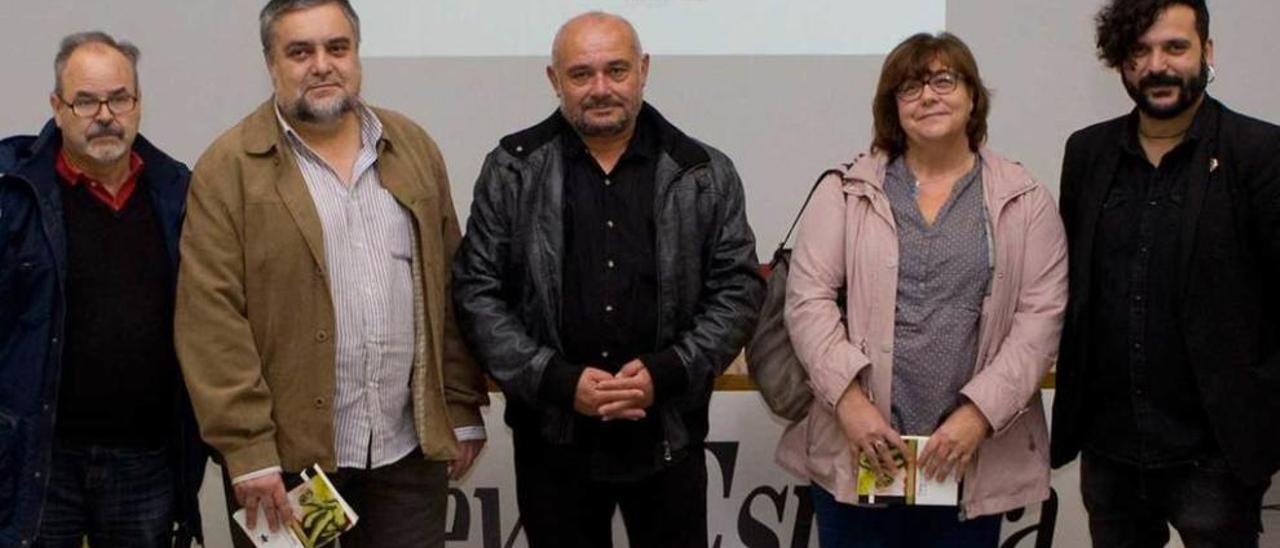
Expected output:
(88, 107)
(942, 82)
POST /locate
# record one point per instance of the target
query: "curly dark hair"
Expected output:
(1122, 22)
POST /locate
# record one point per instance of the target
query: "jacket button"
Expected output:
(319, 403)
(322, 335)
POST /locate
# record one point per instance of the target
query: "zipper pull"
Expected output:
(666, 450)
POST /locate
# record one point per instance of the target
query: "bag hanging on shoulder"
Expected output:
(771, 359)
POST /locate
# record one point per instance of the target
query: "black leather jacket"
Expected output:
(507, 274)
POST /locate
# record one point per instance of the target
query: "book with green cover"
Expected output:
(907, 486)
(321, 514)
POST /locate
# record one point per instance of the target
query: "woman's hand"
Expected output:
(868, 432)
(953, 444)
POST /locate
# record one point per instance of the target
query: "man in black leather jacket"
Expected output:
(607, 276)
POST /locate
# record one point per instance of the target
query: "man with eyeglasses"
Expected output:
(1169, 378)
(97, 437)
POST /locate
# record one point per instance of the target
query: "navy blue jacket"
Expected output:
(32, 309)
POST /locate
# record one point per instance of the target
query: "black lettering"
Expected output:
(753, 533)
(460, 529)
(1043, 530)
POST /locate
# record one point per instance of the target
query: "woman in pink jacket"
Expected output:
(955, 266)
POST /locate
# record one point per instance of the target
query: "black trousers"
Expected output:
(1133, 506)
(562, 507)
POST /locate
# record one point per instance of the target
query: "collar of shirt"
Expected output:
(643, 144)
(73, 176)
(370, 129)
(1129, 139)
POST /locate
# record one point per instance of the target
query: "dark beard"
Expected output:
(1189, 92)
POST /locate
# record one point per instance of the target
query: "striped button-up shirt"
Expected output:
(370, 248)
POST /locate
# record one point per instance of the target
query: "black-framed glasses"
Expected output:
(942, 82)
(88, 107)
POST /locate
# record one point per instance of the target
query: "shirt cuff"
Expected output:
(670, 377)
(470, 433)
(257, 474)
(560, 381)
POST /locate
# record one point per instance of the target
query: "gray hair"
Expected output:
(275, 9)
(597, 16)
(72, 42)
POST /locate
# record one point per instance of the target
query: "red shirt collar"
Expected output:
(73, 176)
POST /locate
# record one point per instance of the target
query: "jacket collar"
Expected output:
(1004, 178)
(262, 134)
(35, 162)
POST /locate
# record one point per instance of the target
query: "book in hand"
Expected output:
(321, 514)
(908, 486)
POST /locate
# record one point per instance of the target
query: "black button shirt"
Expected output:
(610, 291)
(609, 306)
(1144, 398)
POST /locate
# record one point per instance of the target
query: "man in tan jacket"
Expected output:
(313, 318)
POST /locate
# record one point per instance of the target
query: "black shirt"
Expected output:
(609, 306)
(610, 295)
(1146, 407)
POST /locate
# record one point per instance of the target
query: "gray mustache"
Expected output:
(109, 130)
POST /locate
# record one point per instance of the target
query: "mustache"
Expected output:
(596, 102)
(108, 129)
(323, 82)
(1160, 80)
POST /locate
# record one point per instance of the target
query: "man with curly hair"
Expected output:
(1169, 376)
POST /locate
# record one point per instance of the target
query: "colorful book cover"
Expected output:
(908, 485)
(322, 514)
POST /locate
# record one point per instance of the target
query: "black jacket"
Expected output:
(32, 272)
(507, 274)
(1226, 280)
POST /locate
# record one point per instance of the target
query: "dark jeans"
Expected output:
(1133, 506)
(400, 504)
(113, 496)
(562, 507)
(847, 526)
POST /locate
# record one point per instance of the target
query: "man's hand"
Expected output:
(631, 392)
(868, 433)
(468, 450)
(266, 492)
(588, 398)
(953, 444)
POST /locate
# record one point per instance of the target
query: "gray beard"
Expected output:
(305, 111)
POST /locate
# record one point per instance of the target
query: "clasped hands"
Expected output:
(610, 397)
